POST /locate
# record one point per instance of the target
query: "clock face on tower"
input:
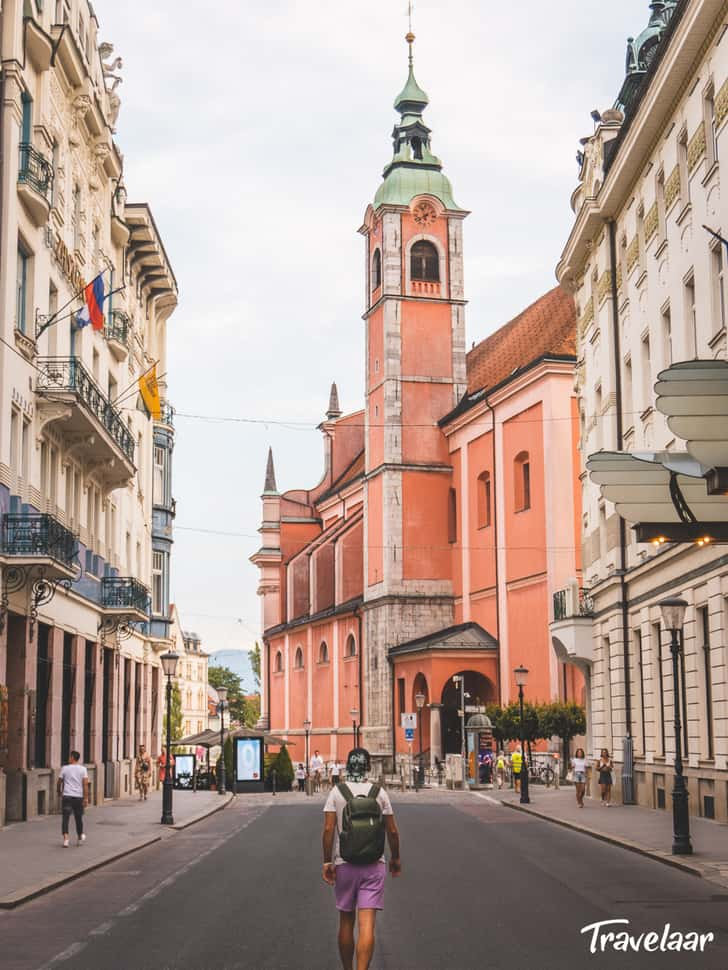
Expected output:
(424, 214)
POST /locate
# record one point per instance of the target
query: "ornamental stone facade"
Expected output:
(84, 473)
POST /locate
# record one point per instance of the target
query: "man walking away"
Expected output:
(357, 818)
(73, 788)
(517, 766)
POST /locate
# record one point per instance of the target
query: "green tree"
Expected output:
(225, 677)
(175, 714)
(564, 720)
(252, 710)
(284, 770)
(254, 655)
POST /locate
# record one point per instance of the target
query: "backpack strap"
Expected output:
(374, 791)
(345, 791)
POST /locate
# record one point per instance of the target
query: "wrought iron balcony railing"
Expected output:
(118, 327)
(167, 414)
(69, 374)
(124, 593)
(563, 609)
(35, 170)
(36, 534)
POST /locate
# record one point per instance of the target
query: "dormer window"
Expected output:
(425, 262)
(376, 270)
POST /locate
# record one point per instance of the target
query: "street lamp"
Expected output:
(673, 616)
(307, 729)
(420, 702)
(354, 714)
(169, 667)
(222, 693)
(521, 675)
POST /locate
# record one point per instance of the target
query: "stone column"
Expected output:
(96, 739)
(78, 696)
(55, 698)
(435, 734)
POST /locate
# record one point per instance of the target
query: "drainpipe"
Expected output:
(627, 760)
(495, 536)
(266, 714)
(357, 614)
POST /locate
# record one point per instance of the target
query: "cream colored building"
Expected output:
(84, 474)
(191, 677)
(650, 287)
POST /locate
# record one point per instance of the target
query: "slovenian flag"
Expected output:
(92, 311)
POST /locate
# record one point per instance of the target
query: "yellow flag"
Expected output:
(149, 390)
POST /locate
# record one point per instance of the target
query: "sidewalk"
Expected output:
(644, 830)
(34, 860)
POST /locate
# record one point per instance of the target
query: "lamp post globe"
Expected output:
(521, 677)
(222, 693)
(420, 702)
(673, 617)
(169, 668)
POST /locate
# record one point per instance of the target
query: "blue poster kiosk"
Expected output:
(249, 763)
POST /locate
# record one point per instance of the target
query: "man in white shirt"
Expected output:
(317, 767)
(359, 888)
(73, 788)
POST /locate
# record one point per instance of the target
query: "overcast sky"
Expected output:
(258, 133)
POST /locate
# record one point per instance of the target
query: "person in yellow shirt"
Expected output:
(516, 766)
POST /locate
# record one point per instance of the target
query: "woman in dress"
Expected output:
(578, 766)
(604, 767)
(142, 772)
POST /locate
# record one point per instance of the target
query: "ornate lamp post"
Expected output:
(307, 729)
(521, 675)
(169, 668)
(354, 714)
(673, 616)
(420, 702)
(222, 693)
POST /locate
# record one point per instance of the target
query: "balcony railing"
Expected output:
(38, 535)
(564, 608)
(69, 374)
(35, 170)
(118, 327)
(124, 593)
(167, 414)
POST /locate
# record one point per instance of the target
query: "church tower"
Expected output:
(415, 374)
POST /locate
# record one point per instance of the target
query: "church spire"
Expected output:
(270, 487)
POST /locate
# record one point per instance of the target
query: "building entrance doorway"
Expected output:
(479, 690)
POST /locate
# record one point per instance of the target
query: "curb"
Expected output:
(667, 860)
(25, 895)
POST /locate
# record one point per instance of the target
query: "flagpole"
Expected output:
(135, 383)
(56, 319)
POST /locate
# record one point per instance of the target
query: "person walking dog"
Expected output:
(358, 819)
(73, 788)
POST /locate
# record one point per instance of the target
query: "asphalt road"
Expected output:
(482, 887)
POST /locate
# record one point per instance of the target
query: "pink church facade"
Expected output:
(448, 511)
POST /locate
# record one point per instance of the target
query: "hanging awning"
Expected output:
(693, 395)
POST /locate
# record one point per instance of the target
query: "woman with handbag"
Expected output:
(578, 770)
(604, 767)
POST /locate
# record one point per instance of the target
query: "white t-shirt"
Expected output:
(336, 802)
(317, 763)
(72, 779)
(578, 764)
(300, 773)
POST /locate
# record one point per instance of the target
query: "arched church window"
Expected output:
(425, 261)
(279, 662)
(522, 481)
(298, 662)
(323, 653)
(376, 269)
(350, 650)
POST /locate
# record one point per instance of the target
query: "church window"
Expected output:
(425, 262)
(522, 481)
(323, 653)
(484, 500)
(350, 650)
(452, 516)
(298, 662)
(376, 270)
(279, 662)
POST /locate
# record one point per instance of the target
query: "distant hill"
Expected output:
(239, 662)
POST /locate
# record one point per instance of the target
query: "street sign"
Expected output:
(473, 709)
(409, 733)
(409, 721)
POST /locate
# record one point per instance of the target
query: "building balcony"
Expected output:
(571, 629)
(167, 414)
(117, 332)
(425, 288)
(36, 539)
(126, 596)
(91, 426)
(35, 181)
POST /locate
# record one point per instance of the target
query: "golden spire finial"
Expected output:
(410, 37)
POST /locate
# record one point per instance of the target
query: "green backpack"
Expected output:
(361, 840)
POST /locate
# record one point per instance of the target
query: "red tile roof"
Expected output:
(548, 326)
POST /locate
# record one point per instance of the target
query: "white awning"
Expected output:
(693, 395)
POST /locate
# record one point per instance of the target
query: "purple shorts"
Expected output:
(360, 887)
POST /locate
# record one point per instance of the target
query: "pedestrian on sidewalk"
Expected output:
(300, 776)
(578, 766)
(162, 765)
(358, 817)
(604, 767)
(500, 770)
(317, 766)
(142, 772)
(516, 767)
(73, 788)
(336, 771)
